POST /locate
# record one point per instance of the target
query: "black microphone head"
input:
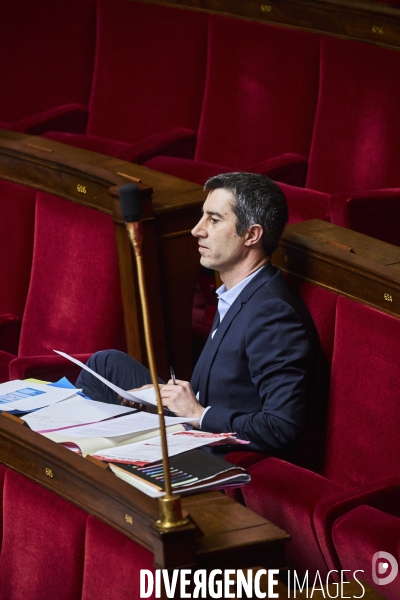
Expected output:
(131, 206)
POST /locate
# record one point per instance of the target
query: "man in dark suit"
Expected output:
(254, 374)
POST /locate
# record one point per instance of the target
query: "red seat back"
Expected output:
(356, 139)
(53, 549)
(149, 70)
(260, 95)
(363, 415)
(17, 206)
(321, 304)
(3, 471)
(43, 546)
(74, 300)
(112, 564)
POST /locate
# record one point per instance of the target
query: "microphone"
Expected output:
(169, 505)
(129, 197)
(131, 208)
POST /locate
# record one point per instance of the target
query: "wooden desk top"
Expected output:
(221, 532)
(344, 261)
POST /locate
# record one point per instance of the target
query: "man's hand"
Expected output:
(180, 399)
(142, 407)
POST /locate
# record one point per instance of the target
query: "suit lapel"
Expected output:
(203, 367)
(199, 365)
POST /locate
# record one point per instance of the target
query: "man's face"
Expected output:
(220, 247)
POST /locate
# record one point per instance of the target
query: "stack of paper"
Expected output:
(24, 396)
(190, 472)
(72, 412)
(150, 450)
(88, 439)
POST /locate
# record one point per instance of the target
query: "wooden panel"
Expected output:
(369, 273)
(220, 533)
(365, 21)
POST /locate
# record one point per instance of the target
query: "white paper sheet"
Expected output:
(25, 396)
(150, 450)
(90, 445)
(128, 424)
(147, 396)
(72, 412)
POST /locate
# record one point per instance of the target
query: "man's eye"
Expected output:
(214, 221)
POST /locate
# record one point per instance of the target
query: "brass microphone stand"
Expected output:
(170, 509)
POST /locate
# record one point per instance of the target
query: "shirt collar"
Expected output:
(227, 297)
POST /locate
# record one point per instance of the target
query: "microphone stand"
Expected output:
(170, 509)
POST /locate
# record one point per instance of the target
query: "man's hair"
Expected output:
(256, 200)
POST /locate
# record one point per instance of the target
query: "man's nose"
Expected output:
(199, 230)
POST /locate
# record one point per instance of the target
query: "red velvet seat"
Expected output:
(148, 81)
(361, 442)
(74, 300)
(112, 564)
(46, 71)
(355, 143)
(17, 206)
(356, 136)
(3, 471)
(259, 103)
(53, 549)
(359, 535)
(309, 453)
(42, 554)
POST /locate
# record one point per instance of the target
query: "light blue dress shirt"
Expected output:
(225, 300)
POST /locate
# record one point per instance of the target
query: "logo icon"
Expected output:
(384, 568)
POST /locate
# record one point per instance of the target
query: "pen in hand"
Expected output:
(172, 373)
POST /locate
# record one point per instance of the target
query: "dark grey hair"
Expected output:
(256, 200)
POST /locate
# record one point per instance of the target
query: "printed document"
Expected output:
(72, 412)
(25, 396)
(128, 424)
(150, 450)
(147, 396)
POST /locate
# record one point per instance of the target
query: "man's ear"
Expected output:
(253, 235)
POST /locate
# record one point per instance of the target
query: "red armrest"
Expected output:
(5, 359)
(375, 213)
(69, 117)
(245, 458)
(290, 168)
(176, 142)
(9, 333)
(306, 204)
(383, 494)
(48, 368)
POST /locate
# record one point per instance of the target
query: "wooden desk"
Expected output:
(342, 260)
(221, 533)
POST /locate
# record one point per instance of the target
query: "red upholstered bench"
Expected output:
(258, 106)
(191, 94)
(53, 549)
(74, 300)
(353, 173)
(148, 81)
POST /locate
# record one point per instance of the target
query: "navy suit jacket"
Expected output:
(256, 372)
